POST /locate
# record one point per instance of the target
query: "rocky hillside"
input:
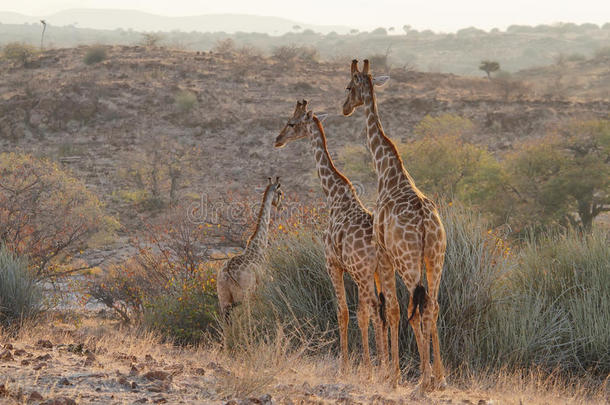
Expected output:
(135, 104)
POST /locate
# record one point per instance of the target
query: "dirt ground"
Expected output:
(89, 360)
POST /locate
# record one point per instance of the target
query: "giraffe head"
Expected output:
(274, 187)
(300, 125)
(359, 85)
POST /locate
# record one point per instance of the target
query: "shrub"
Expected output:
(185, 101)
(563, 287)
(226, 45)
(20, 294)
(19, 53)
(291, 53)
(95, 54)
(151, 39)
(47, 214)
(186, 309)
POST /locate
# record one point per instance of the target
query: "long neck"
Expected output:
(258, 240)
(334, 184)
(386, 158)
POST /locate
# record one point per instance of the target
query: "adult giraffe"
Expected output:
(408, 232)
(348, 240)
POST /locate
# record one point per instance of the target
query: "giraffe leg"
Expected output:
(336, 275)
(363, 324)
(388, 287)
(422, 347)
(434, 271)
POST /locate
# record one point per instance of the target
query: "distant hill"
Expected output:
(140, 21)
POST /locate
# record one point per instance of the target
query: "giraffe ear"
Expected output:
(380, 80)
(309, 115)
(322, 116)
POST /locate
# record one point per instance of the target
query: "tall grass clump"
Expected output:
(561, 307)
(299, 287)
(20, 294)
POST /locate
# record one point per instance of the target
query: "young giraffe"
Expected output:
(238, 278)
(408, 231)
(349, 237)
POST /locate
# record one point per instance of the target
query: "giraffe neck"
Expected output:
(334, 184)
(258, 241)
(386, 158)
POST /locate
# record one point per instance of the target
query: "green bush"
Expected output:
(185, 312)
(95, 54)
(20, 294)
(185, 101)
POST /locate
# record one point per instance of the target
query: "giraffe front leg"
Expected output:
(336, 275)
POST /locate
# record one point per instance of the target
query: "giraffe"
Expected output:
(238, 278)
(348, 239)
(408, 232)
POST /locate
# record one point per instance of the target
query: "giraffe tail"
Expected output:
(419, 300)
(382, 311)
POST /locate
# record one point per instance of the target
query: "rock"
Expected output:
(20, 352)
(45, 344)
(159, 400)
(3, 390)
(199, 371)
(133, 385)
(39, 366)
(148, 358)
(134, 370)
(44, 358)
(35, 396)
(25, 362)
(157, 375)
(140, 401)
(158, 387)
(6, 356)
(63, 382)
(8, 346)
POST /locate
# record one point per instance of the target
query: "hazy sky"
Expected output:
(446, 15)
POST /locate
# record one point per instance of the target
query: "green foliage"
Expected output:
(19, 53)
(95, 54)
(186, 310)
(20, 294)
(185, 101)
(564, 179)
(47, 214)
(489, 67)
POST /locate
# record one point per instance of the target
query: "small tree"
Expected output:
(151, 39)
(564, 178)
(489, 67)
(46, 214)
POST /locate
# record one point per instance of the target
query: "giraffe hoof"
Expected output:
(441, 384)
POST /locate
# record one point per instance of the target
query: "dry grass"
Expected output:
(209, 374)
